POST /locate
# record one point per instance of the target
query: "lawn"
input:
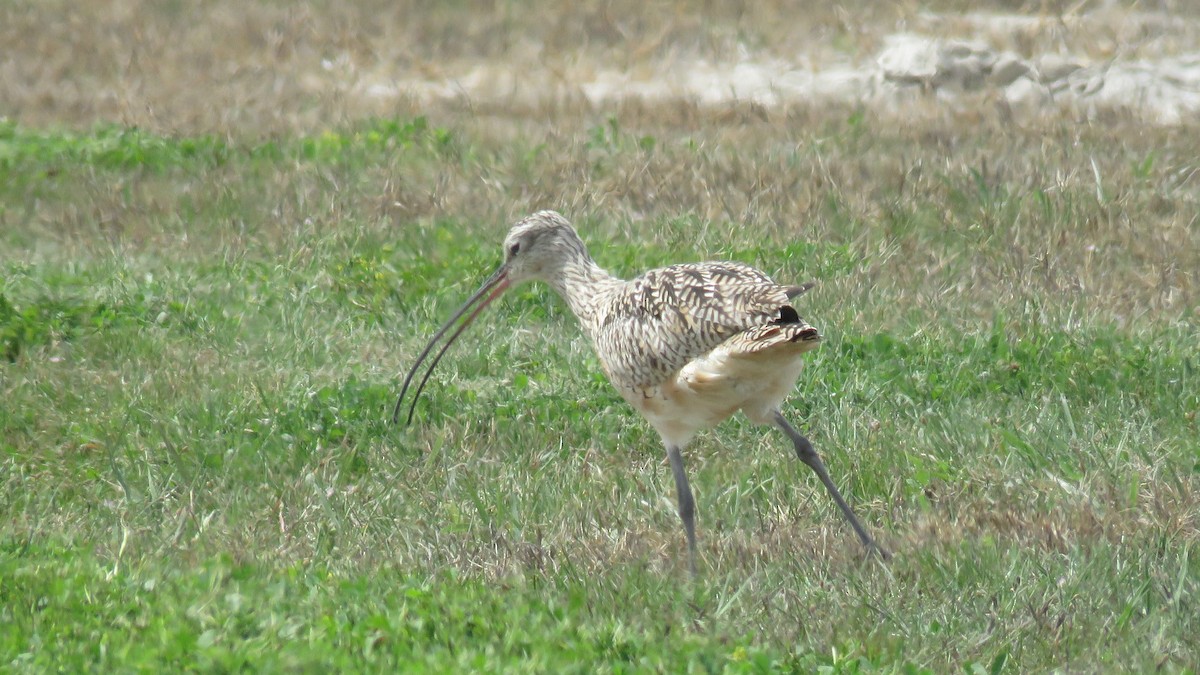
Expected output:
(206, 310)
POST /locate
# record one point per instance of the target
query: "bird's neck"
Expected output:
(584, 285)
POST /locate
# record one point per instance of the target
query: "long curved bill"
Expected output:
(496, 284)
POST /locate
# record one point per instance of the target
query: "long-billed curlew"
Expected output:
(687, 345)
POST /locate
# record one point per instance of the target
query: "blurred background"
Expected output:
(221, 66)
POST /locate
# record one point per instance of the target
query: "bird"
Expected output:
(687, 345)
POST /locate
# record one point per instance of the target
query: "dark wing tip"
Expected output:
(793, 291)
(787, 314)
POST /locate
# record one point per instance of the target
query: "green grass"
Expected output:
(222, 615)
(202, 339)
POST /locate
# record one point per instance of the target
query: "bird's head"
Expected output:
(538, 246)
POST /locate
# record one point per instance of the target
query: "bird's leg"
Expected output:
(808, 455)
(687, 505)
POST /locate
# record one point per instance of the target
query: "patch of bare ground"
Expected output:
(228, 68)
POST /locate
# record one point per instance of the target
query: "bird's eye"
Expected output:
(514, 249)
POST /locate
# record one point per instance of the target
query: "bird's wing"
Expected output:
(663, 319)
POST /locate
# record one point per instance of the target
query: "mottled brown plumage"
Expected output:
(682, 312)
(687, 345)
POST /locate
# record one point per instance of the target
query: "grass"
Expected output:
(203, 328)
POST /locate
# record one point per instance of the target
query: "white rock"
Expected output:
(1007, 68)
(1053, 68)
